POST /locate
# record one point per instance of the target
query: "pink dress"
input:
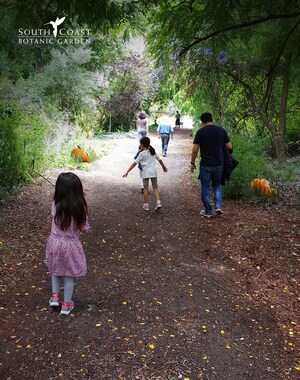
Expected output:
(64, 251)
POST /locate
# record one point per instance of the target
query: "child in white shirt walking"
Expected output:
(147, 159)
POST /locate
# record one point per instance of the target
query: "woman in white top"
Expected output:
(147, 158)
(142, 125)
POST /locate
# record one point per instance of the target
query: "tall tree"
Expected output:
(254, 44)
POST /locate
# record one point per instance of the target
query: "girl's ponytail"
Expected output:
(152, 150)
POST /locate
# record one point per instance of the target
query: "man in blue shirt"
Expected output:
(212, 140)
(164, 132)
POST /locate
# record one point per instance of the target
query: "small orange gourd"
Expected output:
(80, 153)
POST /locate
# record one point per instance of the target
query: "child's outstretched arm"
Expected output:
(129, 169)
(163, 166)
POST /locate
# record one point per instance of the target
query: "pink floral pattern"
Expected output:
(64, 251)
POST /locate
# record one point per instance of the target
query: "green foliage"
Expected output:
(74, 88)
(127, 92)
(293, 114)
(291, 169)
(106, 50)
(21, 144)
(64, 82)
(153, 128)
(58, 152)
(253, 163)
(88, 121)
(231, 60)
(124, 100)
(86, 89)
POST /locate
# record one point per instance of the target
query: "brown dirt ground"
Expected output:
(168, 295)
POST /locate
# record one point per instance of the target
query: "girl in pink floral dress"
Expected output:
(64, 252)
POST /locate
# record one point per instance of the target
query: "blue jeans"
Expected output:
(211, 174)
(164, 142)
(142, 133)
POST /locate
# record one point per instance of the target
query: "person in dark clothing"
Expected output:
(211, 140)
(177, 119)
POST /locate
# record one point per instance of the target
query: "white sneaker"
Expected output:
(158, 206)
(146, 207)
(219, 211)
(54, 300)
(67, 307)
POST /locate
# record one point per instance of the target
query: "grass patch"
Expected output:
(94, 147)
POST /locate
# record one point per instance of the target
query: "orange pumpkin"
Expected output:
(80, 153)
(261, 186)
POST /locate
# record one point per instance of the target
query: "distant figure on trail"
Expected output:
(65, 258)
(164, 132)
(142, 130)
(177, 119)
(147, 158)
(142, 125)
(211, 140)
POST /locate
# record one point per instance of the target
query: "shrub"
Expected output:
(21, 143)
(253, 163)
(64, 138)
(153, 128)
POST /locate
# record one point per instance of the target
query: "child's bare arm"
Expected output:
(163, 166)
(129, 169)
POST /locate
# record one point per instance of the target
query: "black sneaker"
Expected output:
(219, 211)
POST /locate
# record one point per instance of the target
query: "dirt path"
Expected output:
(168, 295)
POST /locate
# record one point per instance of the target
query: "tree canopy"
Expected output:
(227, 47)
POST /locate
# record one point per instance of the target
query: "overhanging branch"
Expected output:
(240, 26)
(282, 47)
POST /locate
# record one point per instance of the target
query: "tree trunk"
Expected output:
(276, 133)
(277, 137)
(284, 93)
(279, 147)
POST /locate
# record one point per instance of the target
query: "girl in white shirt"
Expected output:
(147, 158)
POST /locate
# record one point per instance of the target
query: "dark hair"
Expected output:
(142, 115)
(69, 201)
(145, 141)
(206, 117)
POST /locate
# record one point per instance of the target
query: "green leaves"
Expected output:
(221, 51)
(21, 141)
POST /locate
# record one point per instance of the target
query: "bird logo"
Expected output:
(55, 24)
